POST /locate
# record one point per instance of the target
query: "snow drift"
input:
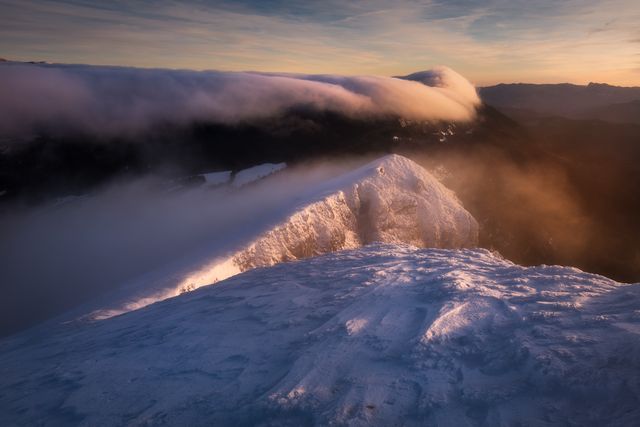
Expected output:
(116, 101)
(391, 200)
(382, 335)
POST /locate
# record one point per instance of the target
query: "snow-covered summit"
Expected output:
(392, 200)
(382, 335)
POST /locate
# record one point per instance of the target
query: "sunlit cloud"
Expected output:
(488, 41)
(116, 101)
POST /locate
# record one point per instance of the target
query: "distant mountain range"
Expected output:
(594, 101)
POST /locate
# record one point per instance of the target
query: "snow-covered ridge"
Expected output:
(382, 335)
(391, 200)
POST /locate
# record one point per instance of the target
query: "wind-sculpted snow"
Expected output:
(383, 335)
(391, 200)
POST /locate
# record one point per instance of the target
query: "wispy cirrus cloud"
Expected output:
(489, 41)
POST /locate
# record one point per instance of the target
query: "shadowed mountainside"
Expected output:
(593, 101)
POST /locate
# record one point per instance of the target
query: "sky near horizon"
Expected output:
(493, 41)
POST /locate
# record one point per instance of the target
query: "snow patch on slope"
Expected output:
(383, 335)
(254, 173)
(217, 178)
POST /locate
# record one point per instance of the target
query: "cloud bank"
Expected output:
(117, 101)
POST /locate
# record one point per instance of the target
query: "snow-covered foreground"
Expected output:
(391, 200)
(383, 335)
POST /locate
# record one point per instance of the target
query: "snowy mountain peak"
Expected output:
(391, 200)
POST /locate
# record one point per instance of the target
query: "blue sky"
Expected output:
(487, 41)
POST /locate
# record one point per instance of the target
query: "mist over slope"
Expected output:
(381, 335)
(564, 189)
(175, 243)
(390, 200)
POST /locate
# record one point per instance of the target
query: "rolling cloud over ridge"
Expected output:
(118, 101)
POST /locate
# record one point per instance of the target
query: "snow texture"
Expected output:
(392, 200)
(382, 335)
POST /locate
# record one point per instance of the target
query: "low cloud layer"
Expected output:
(115, 101)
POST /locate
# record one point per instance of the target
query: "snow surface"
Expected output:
(383, 335)
(254, 173)
(392, 200)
